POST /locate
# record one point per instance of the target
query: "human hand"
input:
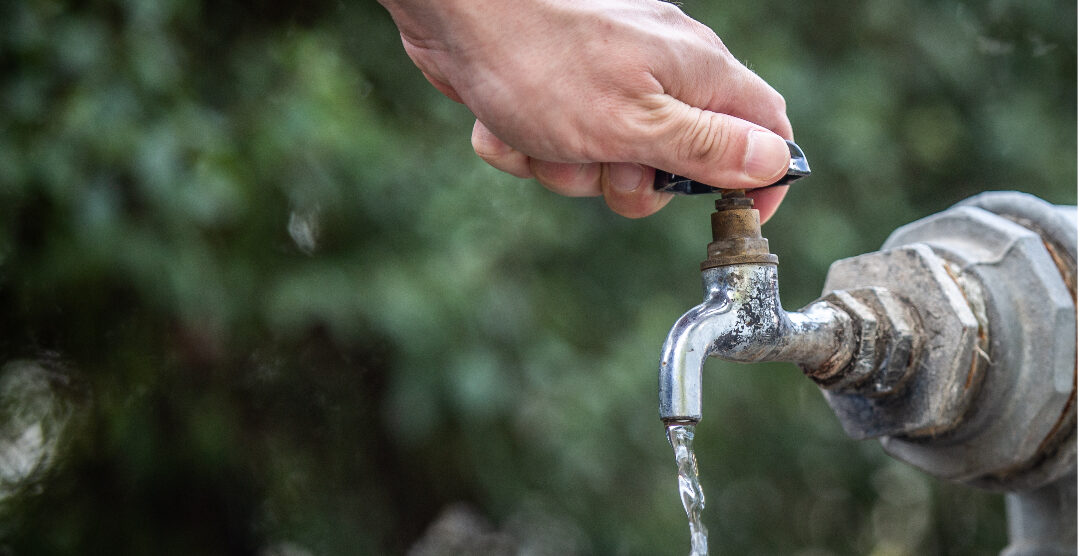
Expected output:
(590, 97)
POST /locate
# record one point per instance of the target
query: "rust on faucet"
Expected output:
(741, 318)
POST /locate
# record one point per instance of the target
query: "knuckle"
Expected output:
(671, 15)
(571, 180)
(778, 106)
(714, 42)
(553, 174)
(705, 139)
(778, 102)
(668, 12)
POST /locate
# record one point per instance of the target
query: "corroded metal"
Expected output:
(955, 345)
(1019, 433)
(1019, 427)
(741, 318)
(949, 364)
(889, 339)
(736, 232)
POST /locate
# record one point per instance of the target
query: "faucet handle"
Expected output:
(674, 183)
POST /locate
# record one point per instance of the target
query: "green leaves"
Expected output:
(262, 242)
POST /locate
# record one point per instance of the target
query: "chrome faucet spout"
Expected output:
(741, 320)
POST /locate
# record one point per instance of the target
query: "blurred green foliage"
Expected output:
(285, 310)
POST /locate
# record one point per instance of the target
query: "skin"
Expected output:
(589, 97)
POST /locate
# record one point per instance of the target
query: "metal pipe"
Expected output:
(741, 320)
(955, 344)
(1042, 522)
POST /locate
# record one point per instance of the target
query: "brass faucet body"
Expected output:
(736, 232)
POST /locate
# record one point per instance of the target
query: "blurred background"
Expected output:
(258, 296)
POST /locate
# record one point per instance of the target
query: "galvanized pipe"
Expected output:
(1042, 522)
(955, 345)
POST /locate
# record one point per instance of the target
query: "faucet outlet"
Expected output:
(955, 345)
(741, 318)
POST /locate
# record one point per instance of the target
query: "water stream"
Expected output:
(681, 437)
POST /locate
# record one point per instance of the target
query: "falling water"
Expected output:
(681, 437)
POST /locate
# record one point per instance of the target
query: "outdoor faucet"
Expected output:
(741, 318)
(954, 345)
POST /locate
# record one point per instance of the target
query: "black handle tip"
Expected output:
(673, 183)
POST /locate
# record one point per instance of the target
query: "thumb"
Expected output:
(715, 148)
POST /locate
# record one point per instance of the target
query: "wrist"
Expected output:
(430, 21)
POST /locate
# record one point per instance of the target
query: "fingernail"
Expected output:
(625, 176)
(766, 154)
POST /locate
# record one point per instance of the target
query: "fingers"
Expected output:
(628, 189)
(498, 154)
(706, 75)
(709, 147)
(572, 180)
(745, 95)
(714, 148)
